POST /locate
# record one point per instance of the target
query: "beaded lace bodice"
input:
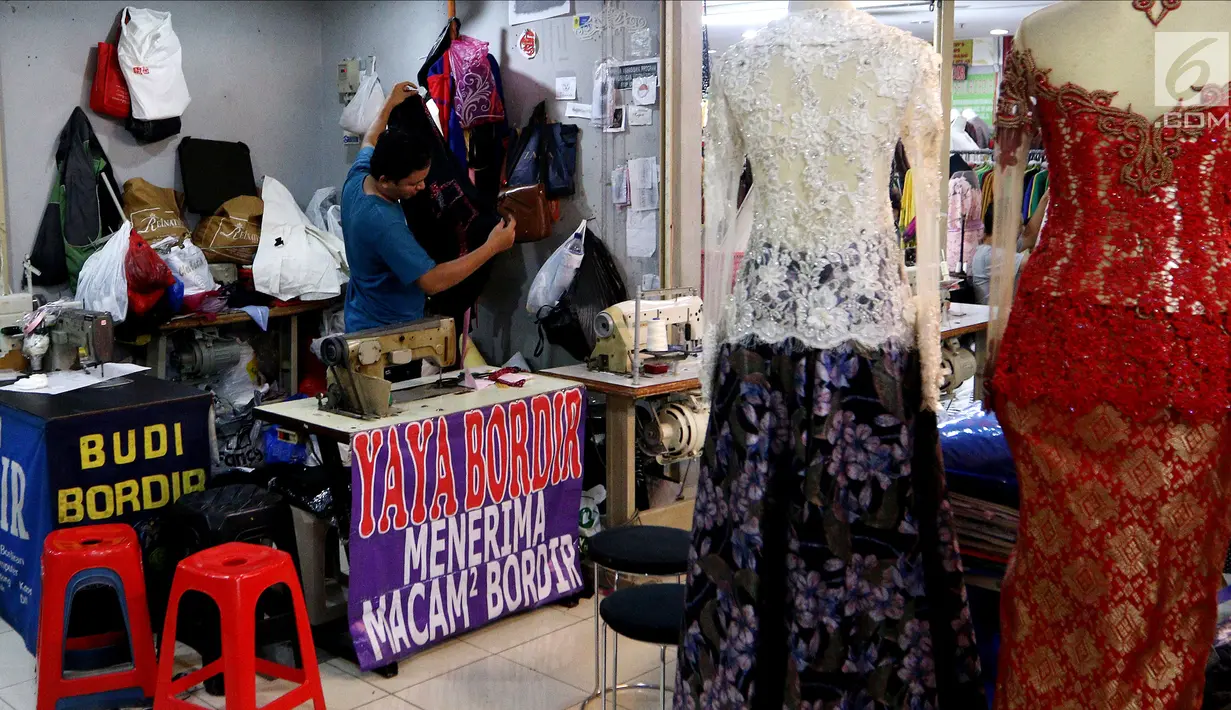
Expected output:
(816, 102)
(1127, 298)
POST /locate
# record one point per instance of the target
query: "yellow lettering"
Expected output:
(151, 451)
(127, 492)
(175, 485)
(120, 456)
(194, 480)
(91, 502)
(147, 491)
(92, 454)
(179, 440)
(70, 505)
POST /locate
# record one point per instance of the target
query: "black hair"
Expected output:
(988, 220)
(397, 155)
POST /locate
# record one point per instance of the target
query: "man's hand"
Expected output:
(402, 91)
(502, 235)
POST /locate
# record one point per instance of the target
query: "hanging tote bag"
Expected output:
(109, 92)
(364, 108)
(152, 60)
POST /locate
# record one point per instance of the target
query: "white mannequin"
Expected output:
(1109, 46)
(969, 114)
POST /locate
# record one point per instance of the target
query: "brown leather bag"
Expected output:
(528, 204)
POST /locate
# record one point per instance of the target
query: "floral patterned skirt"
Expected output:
(825, 571)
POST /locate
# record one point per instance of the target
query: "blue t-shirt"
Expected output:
(384, 257)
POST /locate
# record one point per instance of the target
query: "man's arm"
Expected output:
(1030, 234)
(451, 273)
(400, 93)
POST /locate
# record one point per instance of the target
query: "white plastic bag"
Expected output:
(557, 274)
(325, 211)
(102, 285)
(152, 60)
(364, 108)
(188, 263)
(295, 259)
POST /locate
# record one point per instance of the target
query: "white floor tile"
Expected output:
(519, 629)
(389, 702)
(22, 695)
(433, 662)
(491, 683)
(652, 676)
(568, 655)
(4, 627)
(16, 663)
(583, 610)
(343, 691)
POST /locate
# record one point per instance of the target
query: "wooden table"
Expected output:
(966, 319)
(622, 399)
(156, 355)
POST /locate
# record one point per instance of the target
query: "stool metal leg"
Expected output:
(615, 671)
(597, 654)
(603, 653)
(662, 677)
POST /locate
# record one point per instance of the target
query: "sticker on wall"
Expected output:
(528, 43)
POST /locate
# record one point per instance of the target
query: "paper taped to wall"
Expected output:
(641, 234)
(576, 110)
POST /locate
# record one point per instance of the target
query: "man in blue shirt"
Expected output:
(390, 273)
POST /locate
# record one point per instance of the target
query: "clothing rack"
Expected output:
(1035, 154)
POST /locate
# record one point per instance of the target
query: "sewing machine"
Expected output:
(664, 329)
(357, 362)
(66, 337)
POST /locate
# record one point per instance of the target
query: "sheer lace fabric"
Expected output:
(817, 102)
(1125, 299)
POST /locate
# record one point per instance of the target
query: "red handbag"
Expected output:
(109, 92)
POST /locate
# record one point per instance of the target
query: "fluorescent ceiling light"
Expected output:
(1000, 32)
(736, 13)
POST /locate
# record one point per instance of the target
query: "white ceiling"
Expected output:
(727, 20)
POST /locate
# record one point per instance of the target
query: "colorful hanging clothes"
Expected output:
(965, 223)
(907, 214)
(476, 96)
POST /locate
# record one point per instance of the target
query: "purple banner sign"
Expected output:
(459, 520)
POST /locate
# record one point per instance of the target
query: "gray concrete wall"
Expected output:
(401, 33)
(253, 68)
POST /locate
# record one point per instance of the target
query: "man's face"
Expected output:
(410, 185)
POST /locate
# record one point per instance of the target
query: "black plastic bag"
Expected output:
(597, 286)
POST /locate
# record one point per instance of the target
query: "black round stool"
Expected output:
(644, 550)
(650, 613)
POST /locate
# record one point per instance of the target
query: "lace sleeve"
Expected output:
(1015, 124)
(922, 133)
(724, 163)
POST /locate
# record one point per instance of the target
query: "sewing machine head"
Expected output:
(357, 362)
(662, 328)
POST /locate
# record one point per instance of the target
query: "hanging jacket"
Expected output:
(80, 211)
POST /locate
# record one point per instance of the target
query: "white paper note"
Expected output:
(641, 233)
(643, 184)
(639, 115)
(576, 110)
(619, 186)
(649, 282)
(566, 88)
(645, 90)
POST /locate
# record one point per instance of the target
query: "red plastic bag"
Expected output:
(148, 275)
(109, 92)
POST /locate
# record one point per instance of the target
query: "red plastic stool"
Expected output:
(234, 575)
(74, 558)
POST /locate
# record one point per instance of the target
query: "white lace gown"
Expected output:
(825, 572)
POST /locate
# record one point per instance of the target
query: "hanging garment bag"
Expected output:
(152, 60)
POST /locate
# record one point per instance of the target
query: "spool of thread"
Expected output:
(656, 340)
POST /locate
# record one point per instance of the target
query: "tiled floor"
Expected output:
(542, 660)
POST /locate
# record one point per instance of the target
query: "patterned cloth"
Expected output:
(476, 100)
(1110, 598)
(825, 571)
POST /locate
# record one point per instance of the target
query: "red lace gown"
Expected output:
(1112, 388)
